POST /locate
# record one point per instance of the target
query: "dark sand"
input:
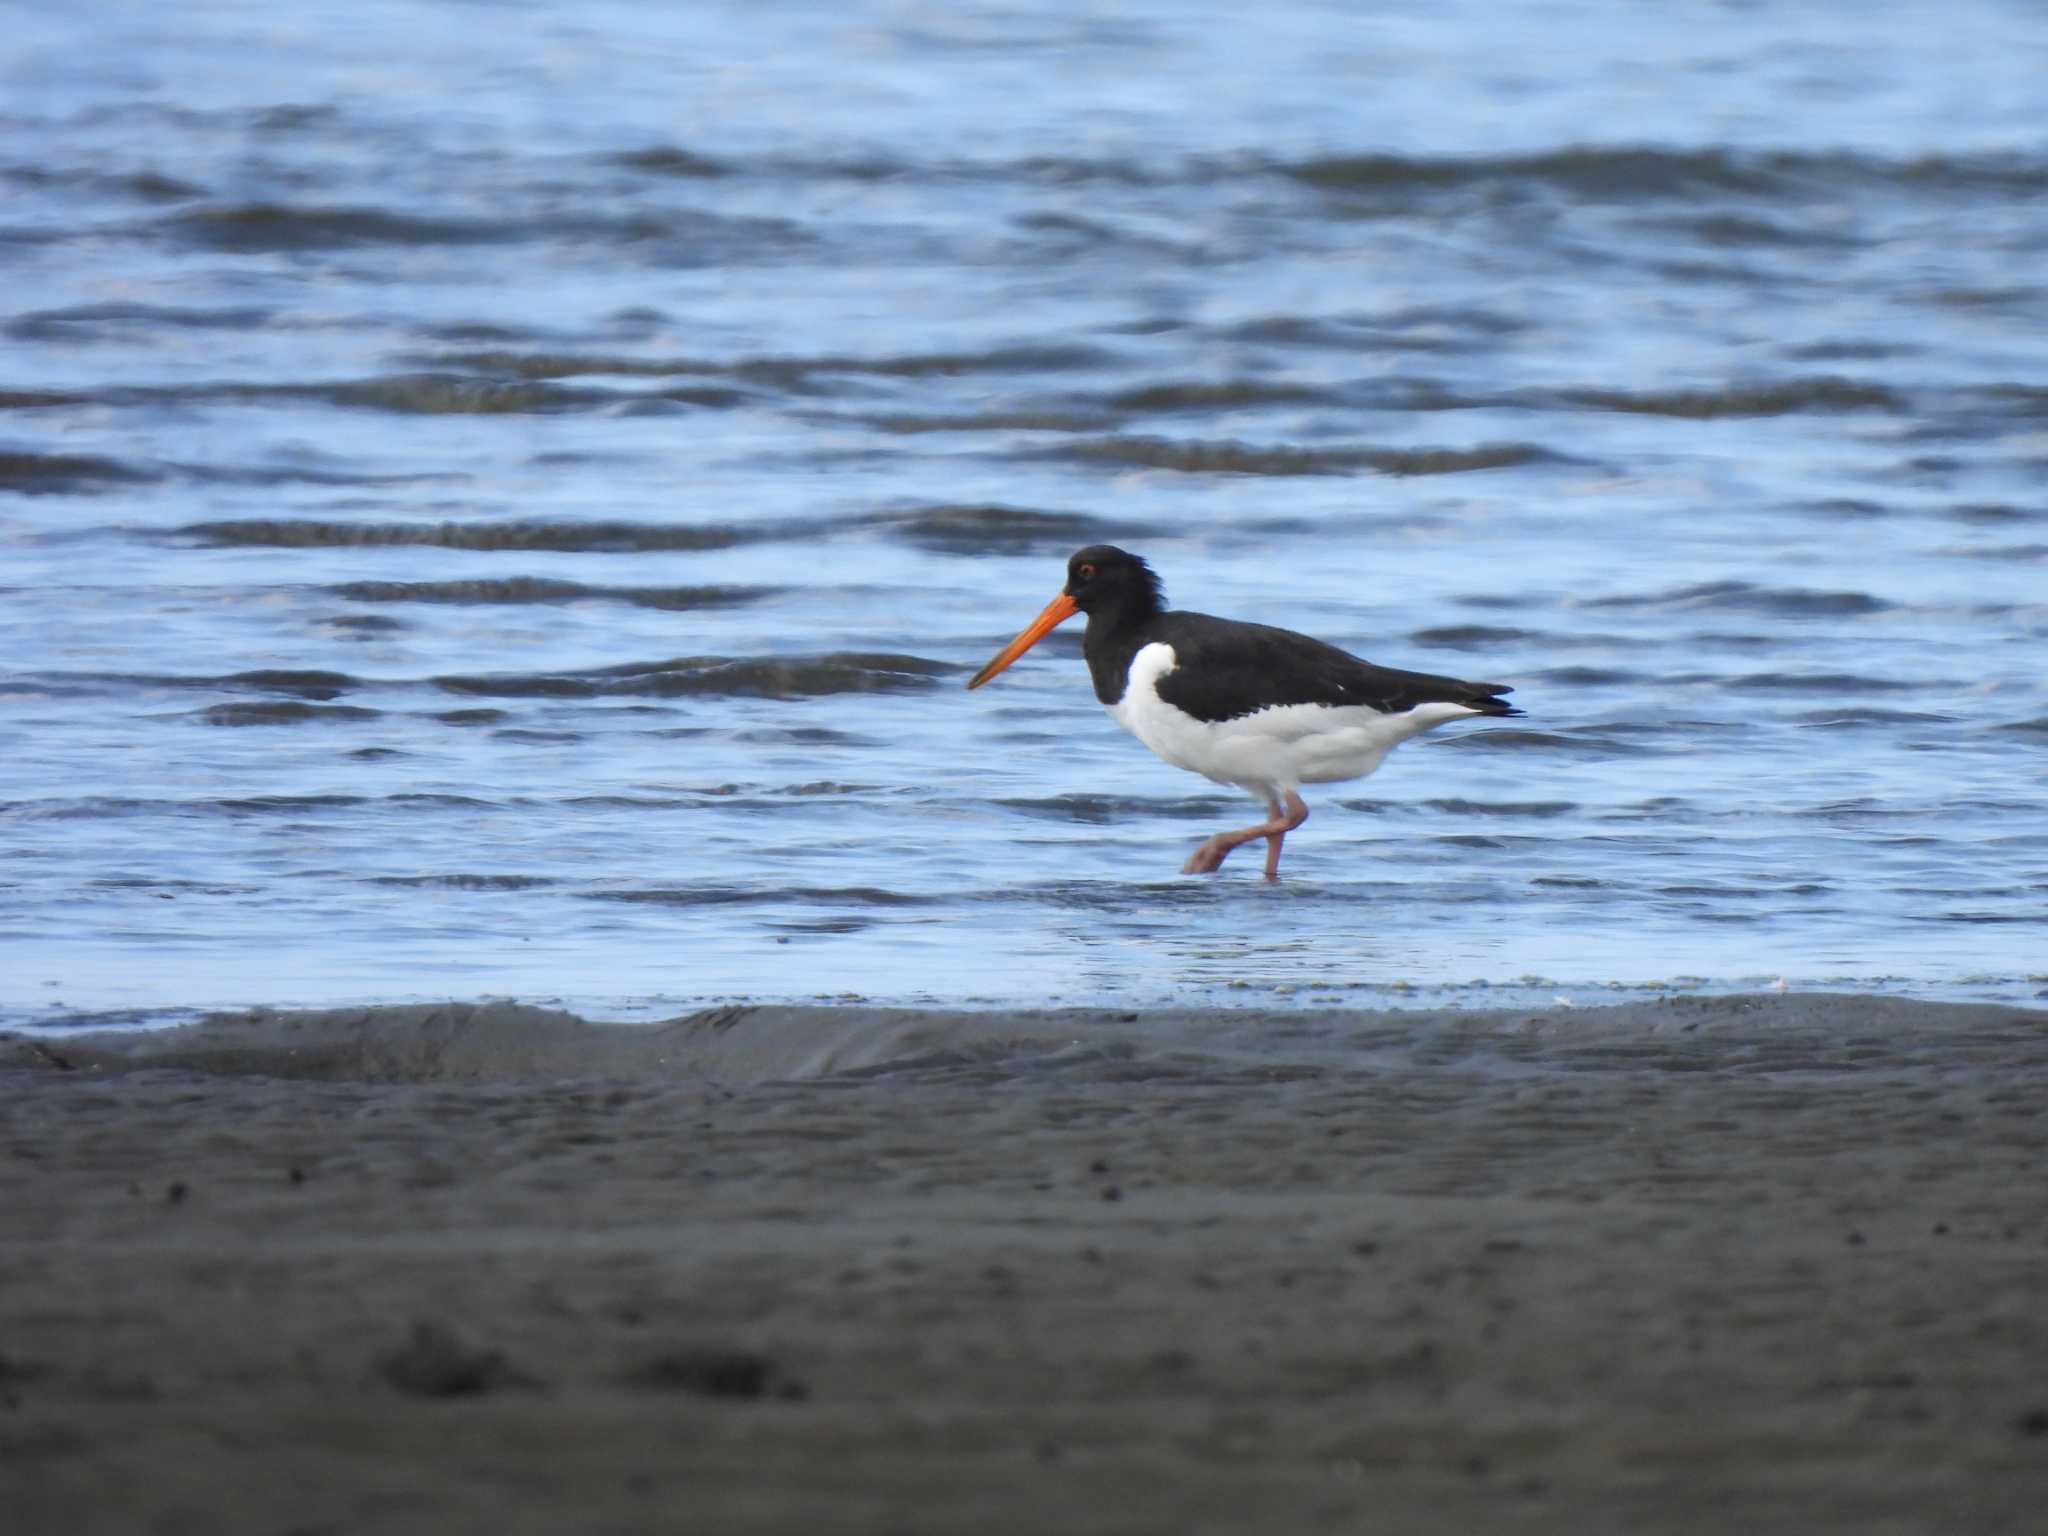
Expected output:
(1713, 1265)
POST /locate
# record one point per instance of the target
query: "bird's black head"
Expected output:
(1115, 583)
(1112, 586)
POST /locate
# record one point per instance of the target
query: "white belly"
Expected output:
(1273, 750)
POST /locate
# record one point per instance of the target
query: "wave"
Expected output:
(304, 683)
(685, 237)
(2021, 399)
(61, 474)
(744, 895)
(673, 162)
(283, 712)
(667, 160)
(1592, 173)
(1746, 597)
(1993, 514)
(1823, 682)
(909, 423)
(1652, 174)
(568, 365)
(68, 474)
(454, 394)
(1539, 809)
(954, 528)
(510, 385)
(1604, 173)
(108, 807)
(1586, 677)
(1747, 231)
(1471, 636)
(787, 372)
(465, 882)
(276, 226)
(1777, 398)
(459, 394)
(773, 677)
(540, 589)
(1228, 457)
(1591, 742)
(996, 528)
(658, 231)
(100, 807)
(39, 399)
(284, 805)
(1106, 810)
(101, 322)
(552, 537)
(1417, 328)
(1226, 395)
(1851, 717)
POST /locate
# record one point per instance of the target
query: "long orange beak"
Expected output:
(1057, 612)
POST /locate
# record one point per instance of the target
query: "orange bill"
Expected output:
(1057, 612)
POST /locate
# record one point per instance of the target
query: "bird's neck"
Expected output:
(1113, 637)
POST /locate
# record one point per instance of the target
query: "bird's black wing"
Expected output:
(1227, 668)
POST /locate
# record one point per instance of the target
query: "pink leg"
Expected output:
(1208, 858)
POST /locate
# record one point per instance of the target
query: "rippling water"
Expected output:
(502, 498)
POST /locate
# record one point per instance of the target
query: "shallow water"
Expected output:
(503, 500)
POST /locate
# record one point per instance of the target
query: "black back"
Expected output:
(1226, 667)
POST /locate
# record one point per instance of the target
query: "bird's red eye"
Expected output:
(1086, 573)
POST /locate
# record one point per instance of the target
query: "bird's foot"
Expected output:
(1208, 858)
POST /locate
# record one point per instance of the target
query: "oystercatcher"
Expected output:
(1265, 709)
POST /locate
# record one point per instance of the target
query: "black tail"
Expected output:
(1486, 698)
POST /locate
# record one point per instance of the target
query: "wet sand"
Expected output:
(1756, 1264)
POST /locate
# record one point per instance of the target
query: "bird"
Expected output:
(1250, 705)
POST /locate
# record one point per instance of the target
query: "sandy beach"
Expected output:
(1756, 1264)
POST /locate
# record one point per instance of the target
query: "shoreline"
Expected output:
(1267, 994)
(1762, 1262)
(508, 1039)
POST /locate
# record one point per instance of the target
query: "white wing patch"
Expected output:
(1273, 750)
